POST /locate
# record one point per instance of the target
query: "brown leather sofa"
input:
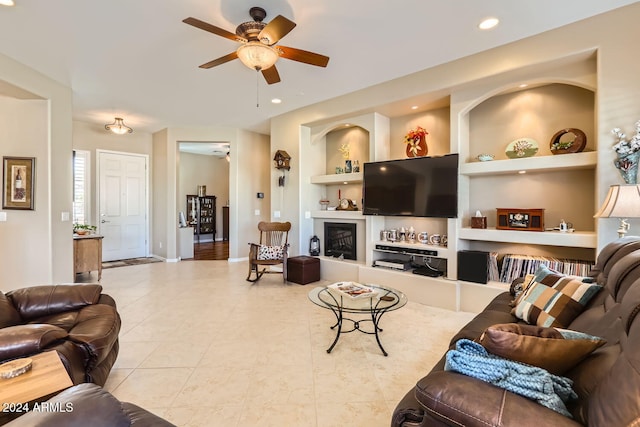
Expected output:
(88, 405)
(607, 382)
(77, 321)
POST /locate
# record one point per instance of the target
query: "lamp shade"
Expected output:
(118, 127)
(257, 56)
(623, 201)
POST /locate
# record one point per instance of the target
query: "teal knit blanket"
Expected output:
(472, 359)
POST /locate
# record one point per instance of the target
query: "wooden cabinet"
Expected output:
(87, 254)
(201, 214)
(225, 223)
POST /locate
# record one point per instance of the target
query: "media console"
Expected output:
(407, 261)
(406, 251)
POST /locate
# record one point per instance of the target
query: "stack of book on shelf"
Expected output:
(514, 266)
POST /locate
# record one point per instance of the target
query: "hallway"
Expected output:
(211, 251)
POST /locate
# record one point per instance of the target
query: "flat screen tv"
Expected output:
(421, 187)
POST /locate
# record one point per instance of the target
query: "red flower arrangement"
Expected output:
(416, 143)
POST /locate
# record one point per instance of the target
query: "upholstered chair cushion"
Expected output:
(23, 340)
(266, 252)
(8, 314)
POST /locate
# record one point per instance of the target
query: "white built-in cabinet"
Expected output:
(484, 117)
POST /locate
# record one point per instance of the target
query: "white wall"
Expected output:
(91, 137)
(248, 174)
(23, 128)
(40, 129)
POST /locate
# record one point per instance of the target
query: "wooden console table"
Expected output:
(87, 254)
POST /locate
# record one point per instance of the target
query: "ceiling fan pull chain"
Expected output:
(257, 89)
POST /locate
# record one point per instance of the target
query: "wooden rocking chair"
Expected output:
(272, 250)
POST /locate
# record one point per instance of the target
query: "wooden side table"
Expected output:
(87, 254)
(46, 377)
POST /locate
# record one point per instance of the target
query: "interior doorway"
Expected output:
(203, 196)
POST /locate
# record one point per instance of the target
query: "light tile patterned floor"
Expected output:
(200, 346)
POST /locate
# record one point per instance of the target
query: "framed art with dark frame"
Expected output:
(18, 177)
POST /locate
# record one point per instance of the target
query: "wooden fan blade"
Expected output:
(221, 60)
(271, 75)
(303, 56)
(213, 29)
(275, 30)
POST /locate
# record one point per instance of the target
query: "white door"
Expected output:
(122, 205)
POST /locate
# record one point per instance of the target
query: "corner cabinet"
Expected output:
(202, 215)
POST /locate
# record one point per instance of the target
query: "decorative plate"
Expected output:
(570, 140)
(521, 147)
(15, 367)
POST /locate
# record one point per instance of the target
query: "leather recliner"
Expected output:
(77, 321)
(607, 382)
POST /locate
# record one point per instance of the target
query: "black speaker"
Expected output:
(473, 266)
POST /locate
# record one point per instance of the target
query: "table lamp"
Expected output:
(622, 201)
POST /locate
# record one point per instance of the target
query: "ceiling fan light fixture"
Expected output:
(7, 3)
(257, 56)
(118, 127)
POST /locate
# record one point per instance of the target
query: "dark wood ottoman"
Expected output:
(303, 269)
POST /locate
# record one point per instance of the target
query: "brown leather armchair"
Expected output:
(77, 321)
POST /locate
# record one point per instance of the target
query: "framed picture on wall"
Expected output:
(18, 176)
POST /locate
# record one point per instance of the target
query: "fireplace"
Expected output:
(340, 240)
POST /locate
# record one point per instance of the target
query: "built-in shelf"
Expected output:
(578, 239)
(337, 214)
(584, 160)
(342, 178)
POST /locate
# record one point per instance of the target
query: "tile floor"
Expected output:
(200, 346)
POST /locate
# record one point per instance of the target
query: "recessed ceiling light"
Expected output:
(488, 23)
(7, 3)
(522, 172)
(276, 101)
(414, 107)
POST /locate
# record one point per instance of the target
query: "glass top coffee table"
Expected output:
(380, 300)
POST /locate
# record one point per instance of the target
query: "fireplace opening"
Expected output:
(340, 240)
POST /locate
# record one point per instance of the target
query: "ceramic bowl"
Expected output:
(485, 157)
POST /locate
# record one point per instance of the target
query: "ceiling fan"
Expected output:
(258, 50)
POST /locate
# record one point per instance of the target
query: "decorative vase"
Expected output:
(628, 167)
(417, 147)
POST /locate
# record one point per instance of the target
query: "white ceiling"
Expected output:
(136, 59)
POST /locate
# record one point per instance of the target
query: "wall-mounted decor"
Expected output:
(281, 160)
(628, 151)
(19, 182)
